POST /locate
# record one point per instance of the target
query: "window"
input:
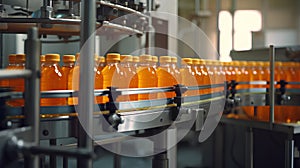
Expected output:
(241, 25)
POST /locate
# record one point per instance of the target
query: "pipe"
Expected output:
(86, 85)
(32, 92)
(272, 86)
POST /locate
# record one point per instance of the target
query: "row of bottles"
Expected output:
(126, 71)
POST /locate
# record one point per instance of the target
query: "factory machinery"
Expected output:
(94, 125)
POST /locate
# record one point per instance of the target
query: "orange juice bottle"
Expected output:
(227, 71)
(211, 74)
(53, 79)
(175, 69)
(69, 63)
(154, 62)
(296, 78)
(11, 66)
(188, 77)
(130, 71)
(147, 76)
(101, 63)
(289, 111)
(205, 76)
(114, 75)
(197, 72)
(279, 74)
(218, 78)
(18, 84)
(237, 70)
(42, 60)
(253, 71)
(165, 76)
(134, 83)
(245, 75)
(98, 77)
(264, 111)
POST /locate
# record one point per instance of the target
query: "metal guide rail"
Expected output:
(121, 116)
(256, 93)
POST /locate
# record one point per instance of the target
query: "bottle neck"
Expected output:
(69, 64)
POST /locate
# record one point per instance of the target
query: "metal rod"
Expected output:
(272, 86)
(289, 153)
(52, 157)
(32, 92)
(14, 73)
(86, 85)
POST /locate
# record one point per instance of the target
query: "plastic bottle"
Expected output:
(11, 66)
(211, 74)
(244, 77)
(130, 71)
(264, 111)
(197, 71)
(69, 63)
(98, 77)
(227, 71)
(253, 71)
(18, 84)
(53, 79)
(205, 76)
(175, 69)
(101, 64)
(154, 62)
(188, 77)
(165, 76)
(147, 76)
(42, 60)
(218, 78)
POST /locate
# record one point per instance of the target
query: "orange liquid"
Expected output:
(73, 84)
(188, 79)
(18, 86)
(205, 79)
(5, 82)
(66, 69)
(134, 82)
(264, 111)
(147, 77)
(166, 79)
(53, 79)
(98, 83)
(211, 76)
(198, 77)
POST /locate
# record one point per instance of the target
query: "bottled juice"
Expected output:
(264, 111)
(217, 75)
(129, 69)
(11, 66)
(42, 60)
(18, 84)
(227, 71)
(205, 76)
(197, 72)
(222, 75)
(102, 64)
(115, 76)
(244, 77)
(69, 63)
(232, 70)
(237, 69)
(289, 111)
(253, 71)
(279, 74)
(98, 77)
(53, 79)
(175, 69)
(154, 62)
(188, 77)
(297, 79)
(147, 76)
(211, 74)
(165, 76)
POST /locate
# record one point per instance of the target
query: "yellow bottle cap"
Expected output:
(252, 63)
(12, 58)
(215, 62)
(20, 58)
(101, 59)
(42, 57)
(126, 58)
(278, 63)
(145, 58)
(236, 63)
(186, 61)
(196, 61)
(113, 57)
(208, 62)
(154, 59)
(174, 59)
(52, 57)
(243, 63)
(260, 63)
(136, 59)
(164, 59)
(68, 58)
(266, 64)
